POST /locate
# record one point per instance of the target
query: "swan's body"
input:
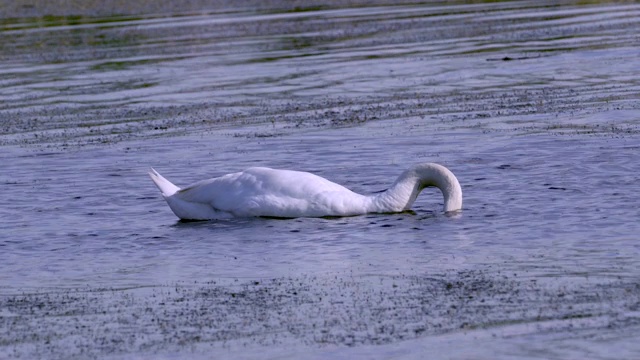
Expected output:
(260, 191)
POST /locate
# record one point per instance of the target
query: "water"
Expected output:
(533, 107)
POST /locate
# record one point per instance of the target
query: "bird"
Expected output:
(266, 192)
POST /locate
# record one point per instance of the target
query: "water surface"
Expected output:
(534, 108)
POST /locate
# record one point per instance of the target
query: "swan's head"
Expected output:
(431, 174)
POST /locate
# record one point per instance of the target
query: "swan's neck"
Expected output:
(403, 193)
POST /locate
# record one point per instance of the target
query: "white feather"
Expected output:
(261, 191)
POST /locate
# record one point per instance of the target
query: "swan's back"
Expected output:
(260, 191)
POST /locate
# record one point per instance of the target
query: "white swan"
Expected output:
(260, 191)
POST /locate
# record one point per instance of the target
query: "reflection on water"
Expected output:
(534, 107)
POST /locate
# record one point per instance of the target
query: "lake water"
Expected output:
(535, 108)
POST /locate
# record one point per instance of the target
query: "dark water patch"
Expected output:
(508, 58)
(311, 310)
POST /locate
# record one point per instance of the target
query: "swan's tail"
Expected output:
(165, 186)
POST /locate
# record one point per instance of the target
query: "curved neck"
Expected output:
(403, 193)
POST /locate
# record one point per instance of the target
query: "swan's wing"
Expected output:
(267, 192)
(297, 184)
(289, 193)
(221, 189)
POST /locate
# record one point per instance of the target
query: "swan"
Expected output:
(261, 191)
